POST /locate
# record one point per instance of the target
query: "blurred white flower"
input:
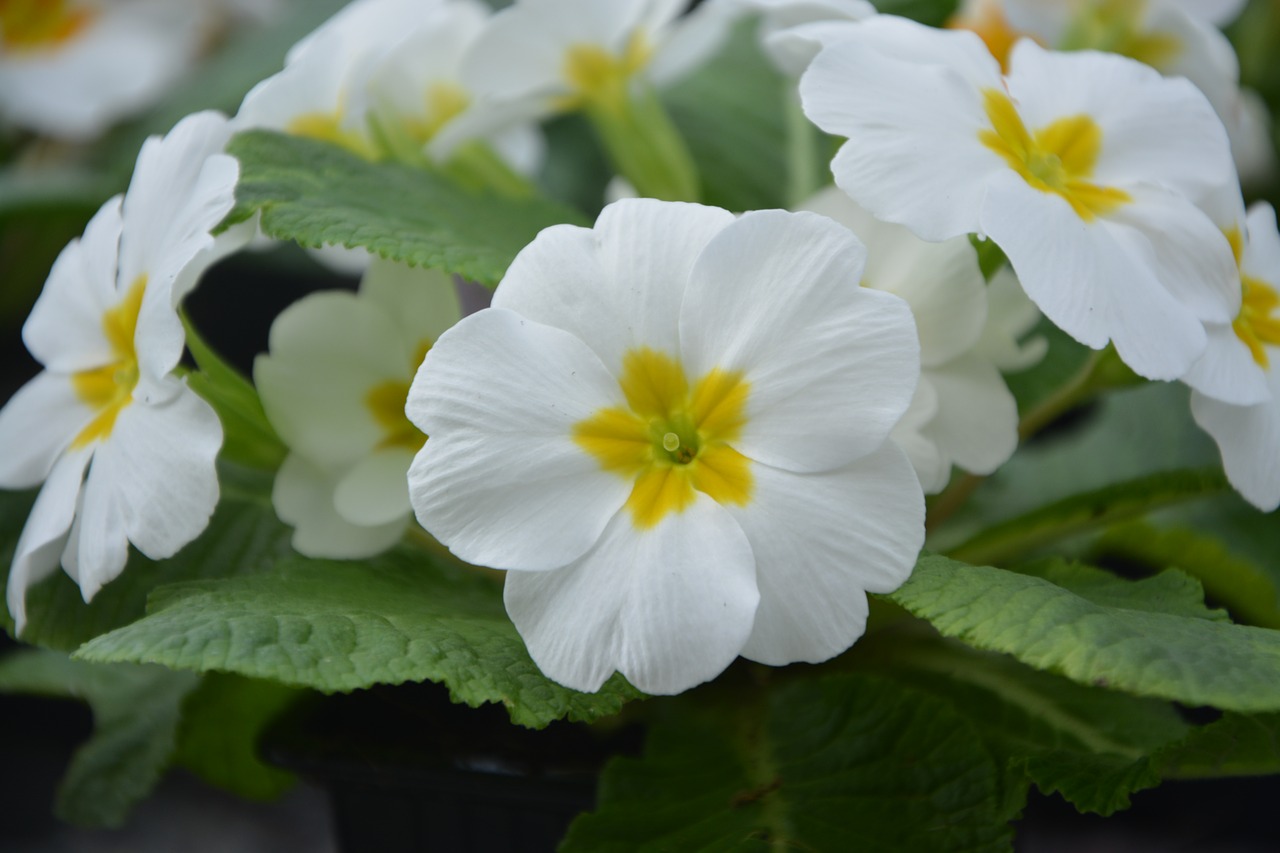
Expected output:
(1080, 166)
(71, 68)
(673, 428)
(962, 412)
(106, 330)
(334, 387)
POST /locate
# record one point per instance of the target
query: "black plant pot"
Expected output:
(408, 770)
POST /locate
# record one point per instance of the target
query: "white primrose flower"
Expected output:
(1078, 165)
(673, 430)
(1168, 35)
(786, 46)
(334, 388)
(107, 403)
(1236, 384)
(962, 412)
(71, 68)
(1010, 318)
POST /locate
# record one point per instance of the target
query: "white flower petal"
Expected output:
(1262, 250)
(422, 302)
(328, 351)
(1010, 316)
(101, 550)
(502, 482)
(913, 123)
(1249, 439)
(619, 286)
(669, 608)
(303, 497)
(160, 461)
(830, 366)
(375, 491)
(64, 331)
(1227, 372)
(977, 421)
(44, 535)
(36, 425)
(1089, 283)
(932, 468)
(821, 542)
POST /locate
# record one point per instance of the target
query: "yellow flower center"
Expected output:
(109, 388)
(327, 127)
(444, 103)
(1258, 323)
(28, 25)
(600, 78)
(1113, 26)
(671, 439)
(1057, 158)
(385, 402)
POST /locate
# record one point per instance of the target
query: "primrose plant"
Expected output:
(942, 361)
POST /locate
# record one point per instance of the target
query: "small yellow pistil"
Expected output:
(1057, 158)
(670, 439)
(109, 388)
(29, 25)
(385, 402)
(1258, 323)
(599, 78)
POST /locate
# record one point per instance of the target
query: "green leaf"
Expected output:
(1091, 510)
(1195, 661)
(318, 194)
(1171, 591)
(732, 113)
(1235, 745)
(248, 437)
(338, 626)
(1063, 359)
(135, 712)
(1092, 746)
(243, 537)
(218, 739)
(822, 762)
(1235, 582)
(932, 12)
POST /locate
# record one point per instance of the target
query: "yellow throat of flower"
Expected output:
(1114, 26)
(1258, 323)
(671, 439)
(386, 401)
(108, 389)
(31, 25)
(328, 127)
(444, 102)
(599, 78)
(1058, 158)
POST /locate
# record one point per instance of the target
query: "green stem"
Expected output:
(476, 166)
(806, 173)
(645, 146)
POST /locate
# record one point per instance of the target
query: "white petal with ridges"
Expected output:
(375, 491)
(44, 535)
(821, 542)
(977, 422)
(668, 607)
(1227, 372)
(830, 366)
(1249, 439)
(36, 425)
(501, 481)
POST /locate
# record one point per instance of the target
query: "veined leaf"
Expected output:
(135, 711)
(820, 764)
(1235, 745)
(317, 194)
(1195, 661)
(338, 626)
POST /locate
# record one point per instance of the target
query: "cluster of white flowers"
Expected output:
(687, 435)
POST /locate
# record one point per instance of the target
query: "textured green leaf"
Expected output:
(1235, 582)
(820, 764)
(248, 437)
(318, 194)
(244, 536)
(1235, 745)
(135, 712)
(1195, 661)
(1171, 591)
(732, 113)
(1088, 511)
(1092, 746)
(218, 739)
(338, 626)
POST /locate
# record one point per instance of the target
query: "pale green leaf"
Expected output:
(135, 711)
(338, 626)
(318, 194)
(820, 764)
(1195, 661)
